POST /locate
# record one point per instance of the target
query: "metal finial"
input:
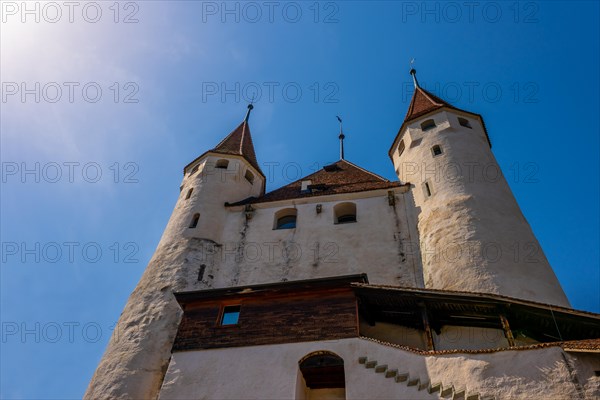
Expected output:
(341, 137)
(413, 72)
(250, 107)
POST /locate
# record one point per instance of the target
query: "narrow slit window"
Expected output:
(465, 122)
(436, 150)
(189, 193)
(249, 176)
(222, 164)
(427, 189)
(231, 315)
(428, 124)
(201, 272)
(195, 169)
(401, 148)
(194, 222)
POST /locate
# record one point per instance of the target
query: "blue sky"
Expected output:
(174, 79)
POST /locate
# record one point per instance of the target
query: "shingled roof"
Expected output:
(339, 177)
(238, 143)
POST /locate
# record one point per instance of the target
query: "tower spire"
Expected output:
(341, 137)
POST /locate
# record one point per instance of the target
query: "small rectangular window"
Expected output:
(249, 176)
(464, 122)
(401, 147)
(231, 315)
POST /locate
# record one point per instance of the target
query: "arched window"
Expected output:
(323, 376)
(344, 213)
(222, 164)
(285, 219)
(464, 122)
(249, 176)
(401, 148)
(428, 124)
(189, 193)
(436, 150)
(195, 219)
(195, 169)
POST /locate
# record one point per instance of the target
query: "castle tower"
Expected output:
(473, 236)
(348, 315)
(138, 353)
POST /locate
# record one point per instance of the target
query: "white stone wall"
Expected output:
(271, 372)
(473, 235)
(138, 353)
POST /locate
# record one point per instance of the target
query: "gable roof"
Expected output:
(339, 177)
(238, 143)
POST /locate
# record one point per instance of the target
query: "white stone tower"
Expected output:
(473, 236)
(138, 353)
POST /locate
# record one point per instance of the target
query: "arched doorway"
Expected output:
(321, 377)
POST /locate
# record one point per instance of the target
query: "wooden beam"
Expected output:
(507, 331)
(426, 326)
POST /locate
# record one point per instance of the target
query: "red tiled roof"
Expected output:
(339, 177)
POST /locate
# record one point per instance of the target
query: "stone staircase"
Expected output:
(435, 389)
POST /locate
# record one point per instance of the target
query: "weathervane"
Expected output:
(341, 137)
(413, 72)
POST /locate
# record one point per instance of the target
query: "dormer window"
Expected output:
(401, 148)
(249, 176)
(305, 186)
(427, 125)
(464, 122)
(222, 164)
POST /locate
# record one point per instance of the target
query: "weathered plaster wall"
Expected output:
(271, 372)
(473, 235)
(382, 243)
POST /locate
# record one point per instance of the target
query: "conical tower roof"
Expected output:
(239, 143)
(424, 102)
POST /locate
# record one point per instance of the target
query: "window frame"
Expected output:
(194, 223)
(285, 213)
(222, 313)
(344, 210)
